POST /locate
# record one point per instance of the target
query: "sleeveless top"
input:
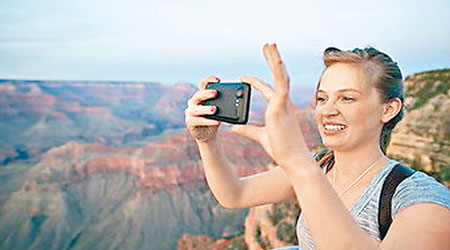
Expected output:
(417, 188)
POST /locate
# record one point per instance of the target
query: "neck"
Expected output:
(353, 162)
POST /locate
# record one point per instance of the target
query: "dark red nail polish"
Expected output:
(213, 109)
(280, 62)
(218, 79)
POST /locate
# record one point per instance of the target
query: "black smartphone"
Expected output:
(232, 102)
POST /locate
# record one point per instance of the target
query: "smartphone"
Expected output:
(232, 102)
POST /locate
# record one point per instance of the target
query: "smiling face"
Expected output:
(348, 108)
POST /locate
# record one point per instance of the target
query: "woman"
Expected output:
(358, 102)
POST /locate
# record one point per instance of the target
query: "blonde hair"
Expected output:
(384, 74)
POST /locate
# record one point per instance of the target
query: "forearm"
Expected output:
(330, 224)
(222, 181)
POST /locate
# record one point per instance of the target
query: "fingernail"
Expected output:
(219, 122)
(275, 45)
(218, 79)
(280, 62)
(213, 109)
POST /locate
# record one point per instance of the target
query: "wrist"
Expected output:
(302, 165)
(207, 143)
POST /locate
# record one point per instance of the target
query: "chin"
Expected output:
(335, 144)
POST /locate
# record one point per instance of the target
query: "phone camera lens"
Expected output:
(239, 93)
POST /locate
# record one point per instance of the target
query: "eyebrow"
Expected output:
(342, 90)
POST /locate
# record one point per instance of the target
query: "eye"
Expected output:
(348, 98)
(320, 99)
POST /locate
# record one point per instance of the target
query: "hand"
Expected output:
(256, 133)
(201, 128)
(281, 136)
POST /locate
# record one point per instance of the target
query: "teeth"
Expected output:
(334, 127)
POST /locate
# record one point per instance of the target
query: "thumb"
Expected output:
(249, 131)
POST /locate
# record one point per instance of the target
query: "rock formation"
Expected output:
(422, 138)
(141, 197)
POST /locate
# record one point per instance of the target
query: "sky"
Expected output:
(183, 41)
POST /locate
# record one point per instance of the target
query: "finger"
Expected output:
(204, 82)
(280, 75)
(267, 56)
(249, 131)
(200, 110)
(259, 85)
(195, 121)
(202, 95)
(278, 69)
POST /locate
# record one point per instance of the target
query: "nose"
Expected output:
(329, 109)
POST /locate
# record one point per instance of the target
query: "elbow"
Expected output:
(232, 199)
(229, 204)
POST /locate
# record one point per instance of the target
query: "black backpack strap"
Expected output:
(397, 175)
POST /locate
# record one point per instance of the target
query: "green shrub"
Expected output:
(262, 241)
(286, 233)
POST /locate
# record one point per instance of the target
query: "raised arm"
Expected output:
(234, 192)
(230, 190)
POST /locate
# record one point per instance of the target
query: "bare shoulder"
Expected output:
(420, 226)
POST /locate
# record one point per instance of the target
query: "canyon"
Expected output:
(111, 165)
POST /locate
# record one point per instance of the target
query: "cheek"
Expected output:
(368, 116)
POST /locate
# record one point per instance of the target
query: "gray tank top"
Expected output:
(417, 188)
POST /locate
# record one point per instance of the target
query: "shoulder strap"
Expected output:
(397, 175)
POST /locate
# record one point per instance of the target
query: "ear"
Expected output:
(391, 109)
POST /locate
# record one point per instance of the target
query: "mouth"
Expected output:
(333, 128)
